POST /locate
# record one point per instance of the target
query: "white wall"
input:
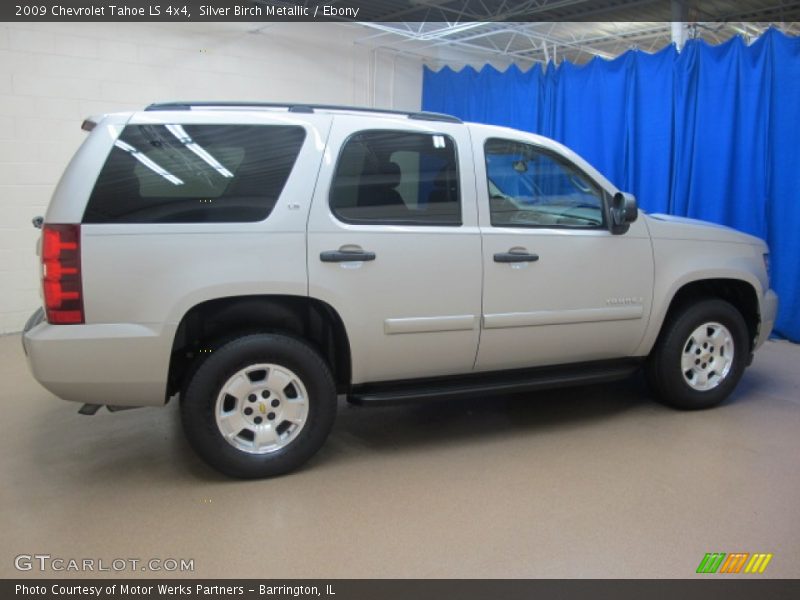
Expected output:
(52, 75)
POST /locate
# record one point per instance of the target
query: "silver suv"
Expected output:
(256, 260)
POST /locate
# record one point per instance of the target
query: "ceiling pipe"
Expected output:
(680, 15)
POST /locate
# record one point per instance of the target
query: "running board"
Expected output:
(91, 409)
(494, 383)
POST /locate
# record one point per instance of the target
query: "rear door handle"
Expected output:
(515, 257)
(331, 256)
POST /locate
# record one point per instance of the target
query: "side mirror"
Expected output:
(624, 210)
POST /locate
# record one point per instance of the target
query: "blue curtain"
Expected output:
(712, 132)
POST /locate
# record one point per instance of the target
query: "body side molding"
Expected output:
(562, 317)
(429, 324)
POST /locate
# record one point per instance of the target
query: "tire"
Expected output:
(261, 405)
(685, 374)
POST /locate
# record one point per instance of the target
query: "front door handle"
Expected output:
(515, 257)
(331, 256)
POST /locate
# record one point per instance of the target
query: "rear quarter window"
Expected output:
(194, 173)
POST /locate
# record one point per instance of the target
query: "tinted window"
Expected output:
(400, 178)
(530, 187)
(194, 173)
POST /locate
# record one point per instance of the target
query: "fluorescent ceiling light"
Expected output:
(179, 132)
(147, 162)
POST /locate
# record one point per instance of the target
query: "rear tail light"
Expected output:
(61, 274)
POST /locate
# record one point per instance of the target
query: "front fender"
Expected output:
(681, 262)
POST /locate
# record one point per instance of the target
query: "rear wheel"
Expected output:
(700, 355)
(260, 405)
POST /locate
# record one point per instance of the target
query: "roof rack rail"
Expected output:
(303, 108)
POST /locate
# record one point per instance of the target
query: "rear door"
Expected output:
(394, 247)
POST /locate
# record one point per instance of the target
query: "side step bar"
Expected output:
(91, 409)
(495, 383)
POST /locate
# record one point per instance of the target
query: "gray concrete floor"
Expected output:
(588, 482)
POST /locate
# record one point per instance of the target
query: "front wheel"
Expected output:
(700, 356)
(261, 405)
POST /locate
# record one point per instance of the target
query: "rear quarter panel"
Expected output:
(154, 273)
(140, 279)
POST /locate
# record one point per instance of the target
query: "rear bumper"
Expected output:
(120, 364)
(769, 310)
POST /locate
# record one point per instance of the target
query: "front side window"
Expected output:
(397, 178)
(532, 187)
(194, 173)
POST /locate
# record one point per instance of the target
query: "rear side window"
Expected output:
(194, 174)
(397, 178)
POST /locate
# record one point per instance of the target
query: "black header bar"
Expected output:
(450, 11)
(742, 588)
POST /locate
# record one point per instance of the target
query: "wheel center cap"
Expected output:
(262, 408)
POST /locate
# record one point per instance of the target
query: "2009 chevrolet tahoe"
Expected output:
(256, 260)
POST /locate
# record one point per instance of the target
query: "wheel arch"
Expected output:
(210, 323)
(739, 292)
